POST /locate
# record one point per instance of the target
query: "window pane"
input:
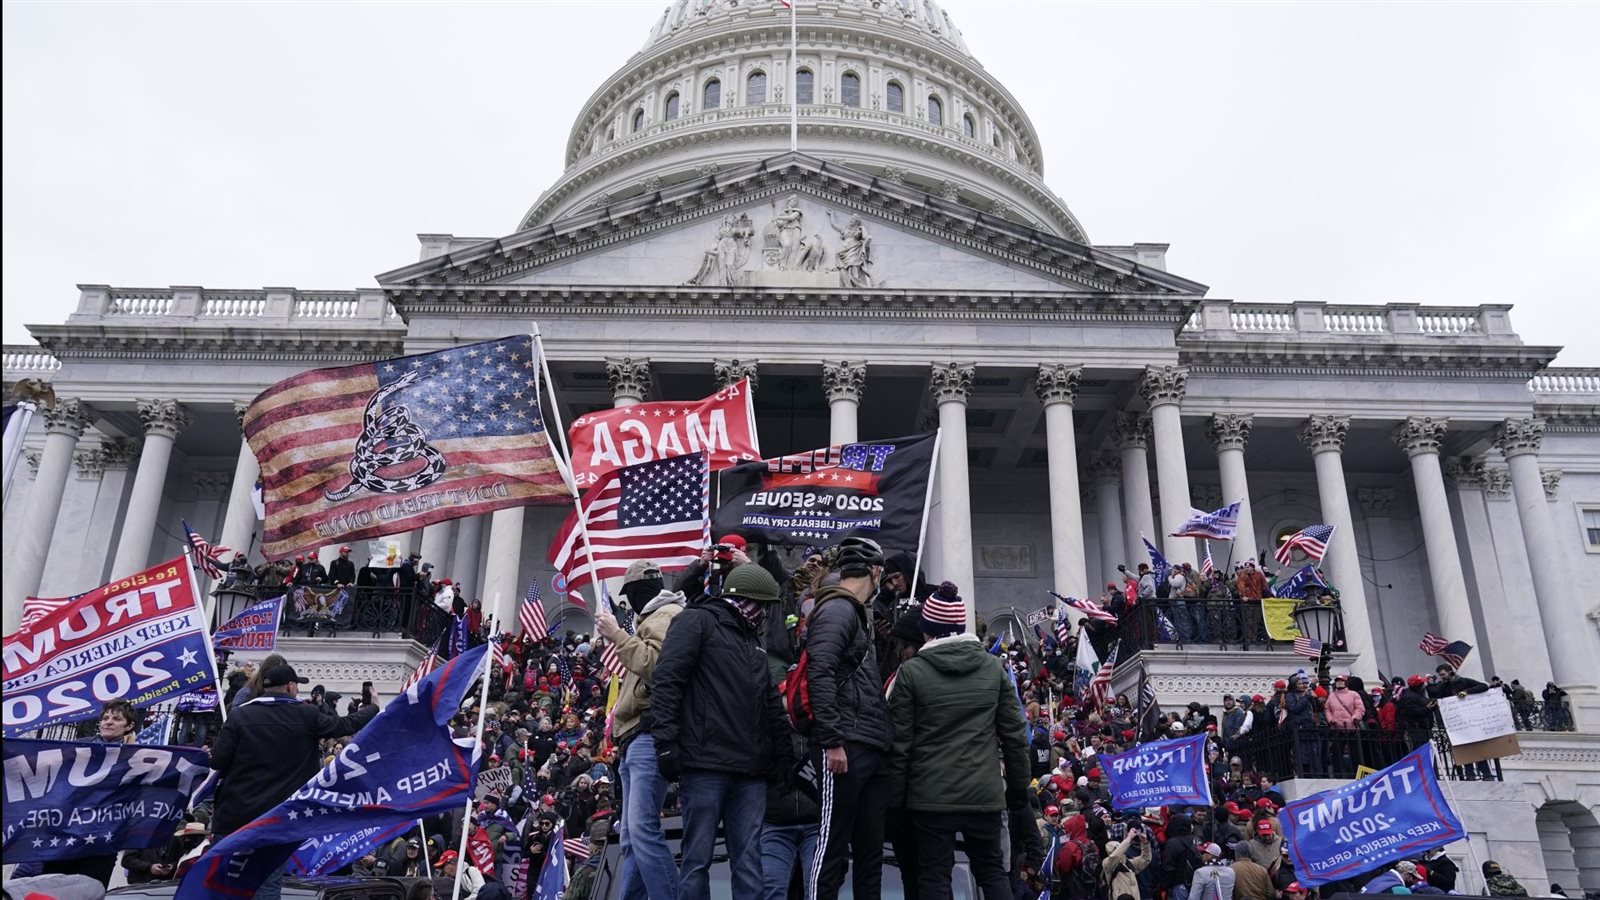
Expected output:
(935, 111)
(850, 90)
(713, 97)
(755, 88)
(1591, 526)
(638, 119)
(897, 97)
(802, 90)
(968, 126)
(672, 106)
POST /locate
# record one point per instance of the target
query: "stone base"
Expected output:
(778, 278)
(1204, 675)
(342, 663)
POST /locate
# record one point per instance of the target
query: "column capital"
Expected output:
(212, 485)
(844, 380)
(951, 382)
(164, 417)
(1375, 501)
(1229, 431)
(70, 416)
(1552, 482)
(1324, 434)
(1105, 467)
(90, 463)
(1497, 484)
(629, 377)
(1420, 434)
(118, 453)
(1515, 437)
(1467, 474)
(1206, 496)
(1164, 384)
(1131, 429)
(730, 371)
(1058, 383)
(34, 457)
(240, 407)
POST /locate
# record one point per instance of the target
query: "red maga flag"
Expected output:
(722, 425)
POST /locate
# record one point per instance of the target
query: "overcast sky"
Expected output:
(1441, 153)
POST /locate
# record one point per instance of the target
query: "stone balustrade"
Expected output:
(104, 304)
(21, 361)
(1566, 382)
(1223, 319)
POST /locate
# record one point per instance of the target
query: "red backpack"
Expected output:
(795, 690)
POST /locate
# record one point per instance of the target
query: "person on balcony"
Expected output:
(1555, 708)
(342, 571)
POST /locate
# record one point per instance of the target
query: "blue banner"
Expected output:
(552, 878)
(255, 629)
(66, 799)
(1393, 814)
(1159, 773)
(331, 852)
(404, 763)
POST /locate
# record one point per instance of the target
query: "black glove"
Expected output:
(1016, 798)
(669, 761)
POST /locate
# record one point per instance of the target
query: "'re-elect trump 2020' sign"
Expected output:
(1159, 773)
(1392, 814)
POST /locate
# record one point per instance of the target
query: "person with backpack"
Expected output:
(849, 725)
(1078, 865)
(1120, 871)
(1179, 858)
(951, 707)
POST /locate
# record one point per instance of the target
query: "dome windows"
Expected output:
(850, 89)
(670, 109)
(896, 96)
(638, 120)
(803, 83)
(711, 96)
(968, 126)
(935, 111)
(755, 89)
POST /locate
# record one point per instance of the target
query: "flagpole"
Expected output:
(427, 864)
(794, 77)
(477, 755)
(927, 498)
(211, 653)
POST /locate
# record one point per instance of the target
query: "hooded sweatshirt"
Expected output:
(639, 652)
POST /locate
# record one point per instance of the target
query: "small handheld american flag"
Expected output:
(1308, 647)
(1311, 540)
(531, 615)
(206, 557)
(1452, 652)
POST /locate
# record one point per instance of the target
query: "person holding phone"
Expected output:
(1123, 863)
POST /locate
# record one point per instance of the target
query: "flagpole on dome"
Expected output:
(477, 754)
(794, 75)
(211, 653)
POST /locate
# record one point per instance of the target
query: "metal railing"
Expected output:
(1321, 752)
(377, 610)
(1539, 715)
(1201, 622)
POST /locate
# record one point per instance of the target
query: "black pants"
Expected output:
(902, 835)
(936, 846)
(853, 809)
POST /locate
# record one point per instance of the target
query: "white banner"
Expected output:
(1476, 717)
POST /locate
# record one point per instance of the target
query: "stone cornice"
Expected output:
(1395, 361)
(320, 346)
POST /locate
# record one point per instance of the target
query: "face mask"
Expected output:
(749, 609)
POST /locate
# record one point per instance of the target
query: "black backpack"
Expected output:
(1083, 880)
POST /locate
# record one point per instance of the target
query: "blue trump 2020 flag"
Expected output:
(1357, 827)
(403, 765)
(66, 799)
(255, 629)
(1159, 773)
(328, 853)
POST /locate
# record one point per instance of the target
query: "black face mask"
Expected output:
(639, 593)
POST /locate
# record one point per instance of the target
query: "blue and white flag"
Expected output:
(156, 731)
(552, 879)
(329, 853)
(1393, 814)
(1158, 563)
(1083, 669)
(254, 630)
(66, 799)
(1218, 526)
(403, 765)
(1299, 583)
(1159, 773)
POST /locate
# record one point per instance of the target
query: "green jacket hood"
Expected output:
(960, 654)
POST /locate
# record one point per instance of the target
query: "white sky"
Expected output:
(1443, 153)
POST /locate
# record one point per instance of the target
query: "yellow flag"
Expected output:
(611, 694)
(1275, 611)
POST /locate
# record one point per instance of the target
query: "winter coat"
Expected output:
(790, 806)
(1251, 881)
(1179, 858)
(1412, 712)
(1442, 872)
(842, 673)
(342, 571)
(1265, 853)
(1121, 874)
(1345, 709)
(1502, 885)
(951, 706)
(1385, 883)
(639, 652)
(267, 750)
(713, 695)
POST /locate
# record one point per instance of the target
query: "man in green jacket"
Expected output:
(960, 752)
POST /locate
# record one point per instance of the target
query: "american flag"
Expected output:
(207, 558)
(654, 510)
(531, 616)
(1206, 565)
(423, 669)
(1308, 647)
(434, 437)
(1100, 685)
(1452, 652)
(1311, 540)
(1221, 525)
(1087, 607)
(577, 848)
(1063, 631)
(36, 608)
(609, 660)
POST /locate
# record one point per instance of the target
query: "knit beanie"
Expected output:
(944, 612)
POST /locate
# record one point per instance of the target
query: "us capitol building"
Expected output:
(908, 268)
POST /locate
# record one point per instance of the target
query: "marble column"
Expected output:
(501, 591)
(163, 420)
(951, 384)
(1106, 470)
(1228, 433)
(64, 425)
(437, 542)
(843, 382)
(729, 371)
(1399, 638)
(115, 457)
(1420, 437)
(1057, 388)
(1131, 432)
(239, 522)
(1324, 436)
(630, 380)
(1567, 638)
(463, 568)
(1163, 388)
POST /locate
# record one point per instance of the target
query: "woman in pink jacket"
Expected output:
(1344, 708)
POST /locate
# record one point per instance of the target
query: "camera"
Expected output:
(722, 553)
(1122, 568)
(332, 698)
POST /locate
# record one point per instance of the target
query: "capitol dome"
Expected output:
(886, 87)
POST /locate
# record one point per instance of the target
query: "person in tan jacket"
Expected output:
(647, 867)
(1118, 871)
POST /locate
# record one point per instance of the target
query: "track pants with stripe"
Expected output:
(854, 806)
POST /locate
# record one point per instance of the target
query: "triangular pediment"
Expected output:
(789, 222)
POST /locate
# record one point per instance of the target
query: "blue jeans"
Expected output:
(781, 845)
(739, 803)
(648, 871)
(1178, 892)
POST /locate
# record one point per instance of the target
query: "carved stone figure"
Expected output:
(853, 260)
(787, 249)
(725, 259)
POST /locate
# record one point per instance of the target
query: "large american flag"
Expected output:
(1100, 684)
(531, 615)
(36, 608)
(1452, 652)
(432, 437)
(206, 557)
(1311, 540)
(423, 669)
(654, 510)
(1087, 607)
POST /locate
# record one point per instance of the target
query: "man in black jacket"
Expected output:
(851, 736)
(267, 750)
(342, 571)
(719, 727)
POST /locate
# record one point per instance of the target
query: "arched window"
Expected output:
(638, 119)
(712, 96)
(611, 133)
(896, 96)
(671, 111)
(755, 89)
(935, 111)
(850, 89)
(802, 86)
(969, 127)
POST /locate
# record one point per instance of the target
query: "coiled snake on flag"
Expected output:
(390, 438)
